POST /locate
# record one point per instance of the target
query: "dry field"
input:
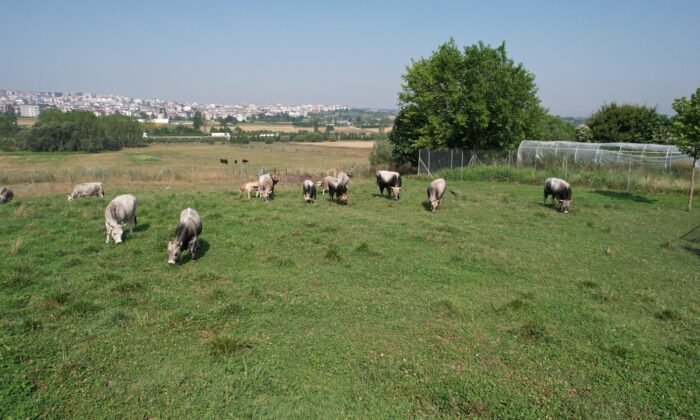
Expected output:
(26, 122)
(176, 165)
(348, 144)
(289, 128)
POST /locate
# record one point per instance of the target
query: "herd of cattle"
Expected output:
(121, 211)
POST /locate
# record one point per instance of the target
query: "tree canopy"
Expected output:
(627, 123)
(686, 126)
(474, 98)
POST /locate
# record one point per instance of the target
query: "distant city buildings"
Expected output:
(29, 111)
(30, 104)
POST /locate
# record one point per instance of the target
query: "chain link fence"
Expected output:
(645, 169)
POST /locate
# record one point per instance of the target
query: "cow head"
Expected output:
(434, 204)
(275, 179)
(308, 199)
(265, 194)
(565, 205)
(343, 198)
(117, 232)
(174, 250)
(70, 198)
(395, 191)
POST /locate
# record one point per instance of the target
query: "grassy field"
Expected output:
(195, 165)
(494, 306)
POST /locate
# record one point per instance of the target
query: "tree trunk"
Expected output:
(692, 186)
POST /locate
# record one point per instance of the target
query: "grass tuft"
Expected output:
(668, 315)
(447, 308)
(129, 287)
(16, 246)
(227, 346)
(532, 331)
(332, 254)
(82, 307)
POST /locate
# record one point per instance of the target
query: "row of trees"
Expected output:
(56, 131)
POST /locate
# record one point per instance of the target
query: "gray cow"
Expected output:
(343, 178)
(436, 190)
(186, 236)
(309, 189)
(87, 189)
(559, 189)
(338, 190)
(6, 195)
(391, 181)
(120, 211)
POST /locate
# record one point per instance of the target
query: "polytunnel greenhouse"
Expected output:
(533, 152)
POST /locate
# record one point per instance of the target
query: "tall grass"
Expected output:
(638, 179)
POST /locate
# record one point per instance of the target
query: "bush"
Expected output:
(381, 153)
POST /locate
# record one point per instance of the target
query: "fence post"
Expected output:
(461, 166)
(629, 172)
(451, 153)
(420, 152)
(429, 171)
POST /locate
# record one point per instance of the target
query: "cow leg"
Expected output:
(544, 202)
(193, 248)
(107, 240)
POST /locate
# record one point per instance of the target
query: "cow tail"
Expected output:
(113, 212)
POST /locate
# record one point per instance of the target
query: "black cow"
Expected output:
(224, 161)
(391, 181)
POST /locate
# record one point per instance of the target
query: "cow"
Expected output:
(120, 211)
(6, 195)
(235, 161)
(244, 161)
(275, 180)
(87, 189)
(266, 186)
(186, 236)
(343, 178)
(559, 189)
(309, 189)
(224, 161)
(391, 181)
(436, 190)
(250, 186)
(323, 184)
(337, 189)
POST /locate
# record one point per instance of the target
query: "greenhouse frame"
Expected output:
(532, 152)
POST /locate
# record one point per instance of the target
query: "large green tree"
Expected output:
(686, 126)
(475, 98)
(626, 123)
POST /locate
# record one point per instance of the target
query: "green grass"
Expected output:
(494, 306)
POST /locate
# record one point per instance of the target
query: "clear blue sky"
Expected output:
(582, 53)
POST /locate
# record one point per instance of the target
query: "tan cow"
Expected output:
(251, 186)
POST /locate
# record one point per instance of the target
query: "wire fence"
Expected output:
(642, 169)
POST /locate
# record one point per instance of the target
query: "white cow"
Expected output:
(436, 190)
(87, 189)
(118, 212)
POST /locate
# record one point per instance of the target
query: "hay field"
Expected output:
(186, 164)
(289, 128)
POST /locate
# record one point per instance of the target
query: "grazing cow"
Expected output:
(250, 186)
(87, 189)
(436, 190)
(337, 189)
(266, 186)
(343, 178)
(323, 184)
(186, 236)
(244, 161)
(224, 161)
(235, 161)
(6, 195)
(309, 189)
(118, 212)
(391, 181)
(559, 189)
